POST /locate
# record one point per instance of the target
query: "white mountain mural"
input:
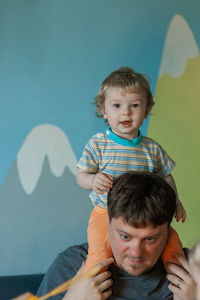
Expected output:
(44, 140)
(180, 45)
(42, 209)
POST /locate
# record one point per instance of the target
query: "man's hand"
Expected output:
(181, 281)
(94, 288)
(102, 182)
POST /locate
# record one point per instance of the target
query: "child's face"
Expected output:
(125, 112)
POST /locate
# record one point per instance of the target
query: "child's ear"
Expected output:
(148, 109)
(104, 113)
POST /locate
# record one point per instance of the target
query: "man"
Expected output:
(140, 207)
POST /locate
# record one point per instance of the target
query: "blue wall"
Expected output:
(53, 56)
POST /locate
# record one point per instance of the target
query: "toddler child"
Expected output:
(124, 100)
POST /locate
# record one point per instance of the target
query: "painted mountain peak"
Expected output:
(180, 45)
(175, 125)
(44, 141)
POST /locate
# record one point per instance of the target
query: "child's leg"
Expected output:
(173, 245)
(99, 246)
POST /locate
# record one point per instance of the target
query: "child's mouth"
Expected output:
(126, 123)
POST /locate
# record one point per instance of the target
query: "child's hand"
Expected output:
(180, 212)
(102, 182)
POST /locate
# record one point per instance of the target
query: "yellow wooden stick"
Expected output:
(64, 286)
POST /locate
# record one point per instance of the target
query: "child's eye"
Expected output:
(134, 105)
(116, 105)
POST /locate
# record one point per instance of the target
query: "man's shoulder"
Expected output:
(72, 257)
(74, 252)
(64, 267)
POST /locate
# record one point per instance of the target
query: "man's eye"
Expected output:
(151, 240)
(124, 237)
(116, 105)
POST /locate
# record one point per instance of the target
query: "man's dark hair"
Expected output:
(142, 199)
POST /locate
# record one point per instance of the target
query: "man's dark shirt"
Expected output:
(151, 285)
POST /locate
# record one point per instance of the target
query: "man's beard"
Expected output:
(134, 268)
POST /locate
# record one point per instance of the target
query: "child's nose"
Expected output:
(127, 111)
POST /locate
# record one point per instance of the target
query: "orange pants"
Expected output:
(99, 246)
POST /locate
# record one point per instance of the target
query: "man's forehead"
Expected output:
(121, 226)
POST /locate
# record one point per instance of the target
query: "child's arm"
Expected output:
(180, 211)
(99, 182)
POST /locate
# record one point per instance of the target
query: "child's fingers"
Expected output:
(104, 176)
(102, 185)
(99, 191)
(183, 218)
(104, 181)
(182, 215)
(107, 178)
(110, 177)
(177, 216)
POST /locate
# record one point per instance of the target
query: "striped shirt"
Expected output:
(110, 154)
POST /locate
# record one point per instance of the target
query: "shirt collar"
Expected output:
(130, 143)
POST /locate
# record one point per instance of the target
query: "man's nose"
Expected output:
(136, 249)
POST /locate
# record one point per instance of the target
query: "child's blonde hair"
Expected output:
(127, 80)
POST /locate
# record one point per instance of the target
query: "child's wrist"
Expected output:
(92, 180)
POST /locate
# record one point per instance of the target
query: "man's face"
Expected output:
(136, 249)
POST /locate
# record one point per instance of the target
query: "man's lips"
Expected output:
(126, 123)
(135, 261)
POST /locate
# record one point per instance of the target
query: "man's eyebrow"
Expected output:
(122, 231)
(156, 235)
